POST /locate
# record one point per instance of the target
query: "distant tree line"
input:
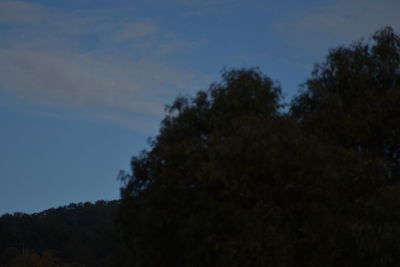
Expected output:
(82, 234)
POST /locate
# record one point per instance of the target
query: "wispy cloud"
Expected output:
(66, 79)
(339, 21)
(90, 59)
(217, 8)
(19, 12)
(134, 30)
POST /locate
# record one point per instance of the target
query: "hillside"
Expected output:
(80, 234)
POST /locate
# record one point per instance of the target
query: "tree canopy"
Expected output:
(352, 99)
(233, 180)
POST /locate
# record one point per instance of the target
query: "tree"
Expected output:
(352, 102)
(174, 178)
(352, 99)
(232, 181)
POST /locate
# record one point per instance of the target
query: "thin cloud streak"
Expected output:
(129, 67)
(20, 12)
(135, 30)
(339, 21)
(215, 8)
(69, 79)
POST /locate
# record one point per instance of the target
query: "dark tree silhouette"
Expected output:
(231, 180)
(352, 99)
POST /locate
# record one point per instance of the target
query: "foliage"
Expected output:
(231, 180)
(352, 99)
(33, 259)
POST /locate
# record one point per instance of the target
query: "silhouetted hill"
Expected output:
(80, 234)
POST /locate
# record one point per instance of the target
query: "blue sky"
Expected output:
(83, 83)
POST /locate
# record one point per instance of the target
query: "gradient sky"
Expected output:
(83, 83)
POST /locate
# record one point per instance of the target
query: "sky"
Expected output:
(84, 83)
